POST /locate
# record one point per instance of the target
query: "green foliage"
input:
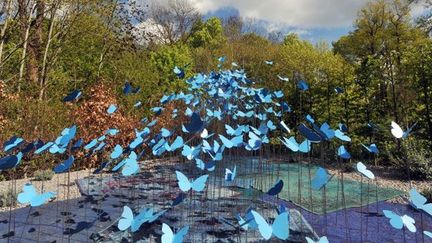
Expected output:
(8, 198)
(43, 175)
(414, 157)
(164, 60)
(209, 34)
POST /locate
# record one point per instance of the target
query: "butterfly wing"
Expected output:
(363, 170)
(276, 189)
(41, 199)
(305, 146)
(118, 150)
(428, 233)
(281, 226)
(395, 220)
(396, 130)
(131, 167)
(178, 237)
(183, 182)
(417, 199)
(226, 141)
(29, 192)
(264, 228)
(167, 234)
(320, 179)
(409, 223)
(126, 219)
(199, 184)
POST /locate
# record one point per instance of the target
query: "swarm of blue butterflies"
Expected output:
(210, 99)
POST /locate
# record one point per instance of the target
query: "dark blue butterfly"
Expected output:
(74, 95)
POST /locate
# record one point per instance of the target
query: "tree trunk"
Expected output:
(3, 31)
(35, 44)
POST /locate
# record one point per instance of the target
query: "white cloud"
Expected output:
(299, 13)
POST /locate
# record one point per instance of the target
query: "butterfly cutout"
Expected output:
(65, 166)
(428, 234)
(279, 228)
(283, 78)
(320, 179)
(179, 72)
(398, 222)
(210, 166)
(13, 142)
(343, 153)
(341, 135)
(233, 142)
(371, 148)
(118, 150)
(308, 133)
(230, 175)
(10, 161)
(186, 185)
(418, 201)
(195, 125)
(364, 171)
(72, 96)
(30, 196)
(276, 188)
(292, 144)
(397, 131)
(302, 85)
(146, 215)
(168, 235)
(111, 109)
(320, 240)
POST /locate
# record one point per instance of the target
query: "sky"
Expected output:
(313, 20)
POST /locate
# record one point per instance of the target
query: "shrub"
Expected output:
(8, 198)
(427, 192)
(43, 175)
(415, 157)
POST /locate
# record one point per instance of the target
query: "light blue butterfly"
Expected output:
(398, 222)
(29, 195)
(111, 109)
(178, 143)
(118, 150)
(343, 153)
(146, 215)
(91, 144)
(280, 227)
(186, 185)
(364, 171)
(168, 235)
(327, 131)
(292, 144)
(341, 135)
(191, 152)
(320, 240)
(130, 167)
(165, 132)
(320, 179)
(230, 131)
(211, 166)
(428, 234)
(233, 142)
(418, 201)
(268, 62)
(230, 175)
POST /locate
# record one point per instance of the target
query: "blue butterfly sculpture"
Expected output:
(168, 235)
(320, 240)
(320, 179)
(418, 201)
(30, 196)
(398, 222)
(230, 174)
(186, 185)
(276, 188)
(279, 228)
(361, 168)
(146, 215)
